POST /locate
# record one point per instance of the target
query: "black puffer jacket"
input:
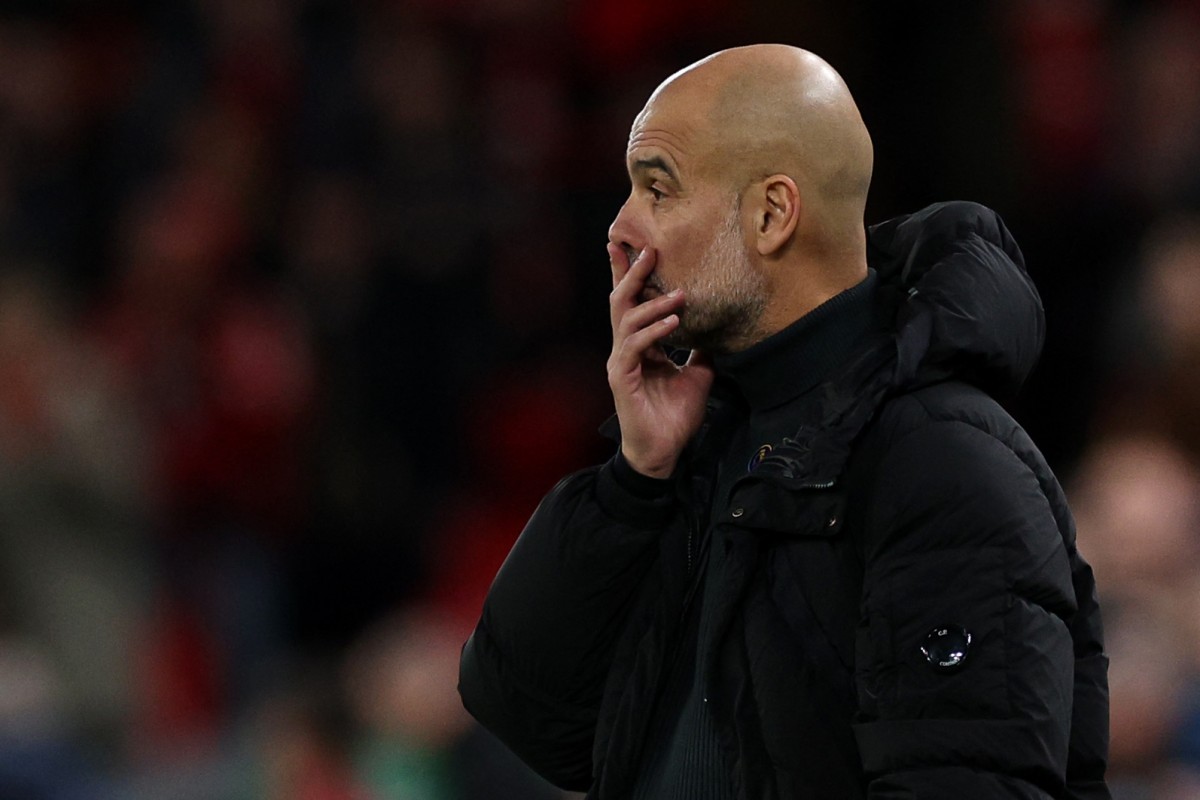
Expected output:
(907, 505)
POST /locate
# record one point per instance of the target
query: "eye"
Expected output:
(657, 193)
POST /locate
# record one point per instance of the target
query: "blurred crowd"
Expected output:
(303, 308)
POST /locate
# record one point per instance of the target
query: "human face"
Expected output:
(725, 294)
(693, 222)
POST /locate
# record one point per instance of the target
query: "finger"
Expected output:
(624, 295)
(644, 343)
(642, 266)
(618, 261)
(624, 361)
(634, 278)
(649, 312)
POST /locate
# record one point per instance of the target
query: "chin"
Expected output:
(708, 341)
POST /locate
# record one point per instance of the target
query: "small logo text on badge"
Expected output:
(758, 457)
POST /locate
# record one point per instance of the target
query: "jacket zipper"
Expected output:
(692, 522)
(691, 535)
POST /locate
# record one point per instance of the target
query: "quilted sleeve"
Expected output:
(534, 670)
(964, 655)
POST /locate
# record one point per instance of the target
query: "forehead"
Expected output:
(667, 129)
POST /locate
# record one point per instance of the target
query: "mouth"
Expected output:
(651, 289)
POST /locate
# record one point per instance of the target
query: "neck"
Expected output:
(798, 357)
(802, 284)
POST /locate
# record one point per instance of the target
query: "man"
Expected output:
(824, 562)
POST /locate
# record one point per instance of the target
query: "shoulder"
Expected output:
(936, 408)
(950, 457)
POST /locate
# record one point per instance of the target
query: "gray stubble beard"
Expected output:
(726, 296)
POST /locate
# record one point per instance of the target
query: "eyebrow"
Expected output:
(655, 162)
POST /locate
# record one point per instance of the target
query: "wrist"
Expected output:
(638, 483)
(659, 469)
(633, 498)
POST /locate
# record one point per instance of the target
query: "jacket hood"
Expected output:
(954, 283)
(956, 303)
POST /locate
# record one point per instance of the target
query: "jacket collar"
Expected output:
(787, 364)
(960, 305)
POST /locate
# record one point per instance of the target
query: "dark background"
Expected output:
(303, 308)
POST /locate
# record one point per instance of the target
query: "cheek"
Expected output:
(681, 252)
(681, 246)
(670, 271)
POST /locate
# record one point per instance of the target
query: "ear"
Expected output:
(777, 215)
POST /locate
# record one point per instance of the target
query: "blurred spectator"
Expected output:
(1137, 506)
(73, 505)
(41, 753)
(1156, 345)
(296, 743)
(1150, 682)
(416, 741)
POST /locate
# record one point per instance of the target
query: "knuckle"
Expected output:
(614, 373)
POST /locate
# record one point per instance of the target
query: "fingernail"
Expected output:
(674, 293)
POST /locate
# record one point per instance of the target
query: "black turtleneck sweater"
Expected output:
(682, 758)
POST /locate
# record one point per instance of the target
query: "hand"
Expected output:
(659, 405)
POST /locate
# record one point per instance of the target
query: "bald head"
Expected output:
(767, 109)
(749, 173)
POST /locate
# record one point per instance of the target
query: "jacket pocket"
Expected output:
(770, 508)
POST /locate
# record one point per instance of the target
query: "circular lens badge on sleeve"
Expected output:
(946, 647)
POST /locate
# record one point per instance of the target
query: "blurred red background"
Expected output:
(303, 308)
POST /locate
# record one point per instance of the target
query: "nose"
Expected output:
(624, 231)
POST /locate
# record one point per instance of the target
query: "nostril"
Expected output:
(630, 252)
